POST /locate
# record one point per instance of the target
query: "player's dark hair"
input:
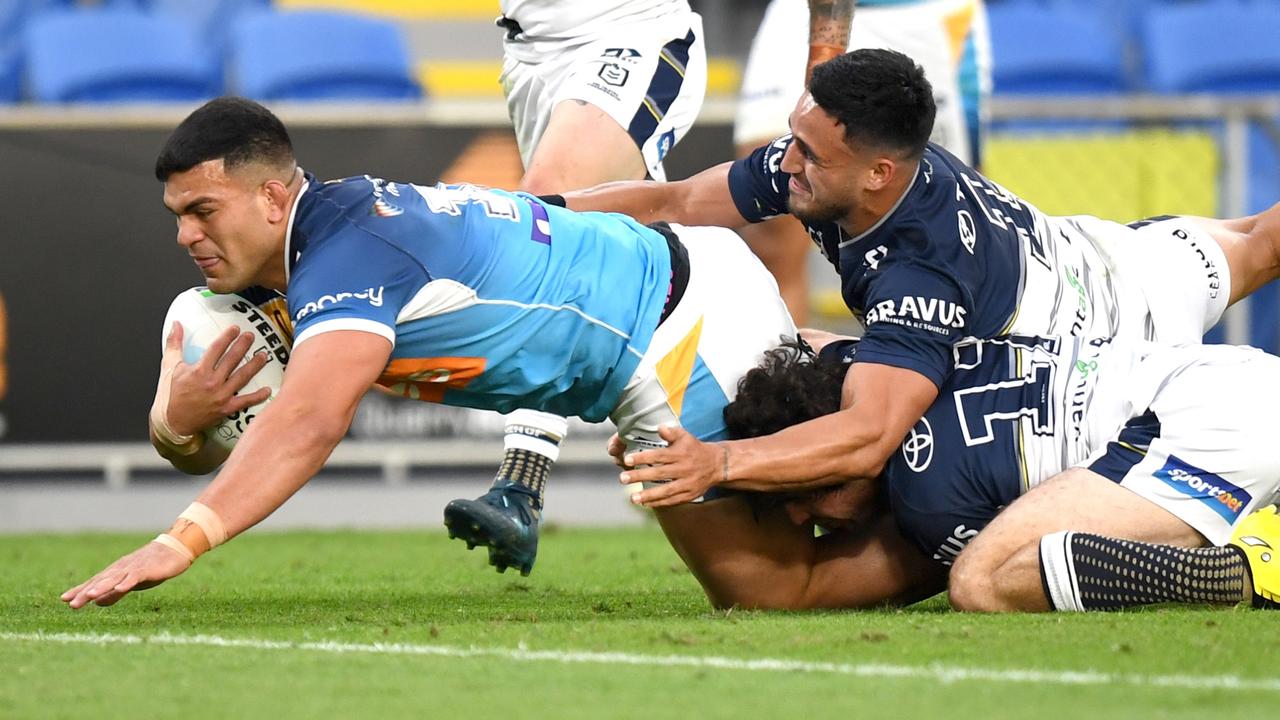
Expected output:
(790, 386)
(880, 96)
(234, 129)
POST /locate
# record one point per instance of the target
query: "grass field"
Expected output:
(372, 625)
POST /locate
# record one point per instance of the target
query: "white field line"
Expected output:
(933, 672)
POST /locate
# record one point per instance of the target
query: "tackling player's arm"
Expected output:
(703, 199)
(918, 312)
(287, 443)
(829, 27)
(731, 194)
(880, 404)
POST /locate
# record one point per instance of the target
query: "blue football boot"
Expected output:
(505, 520)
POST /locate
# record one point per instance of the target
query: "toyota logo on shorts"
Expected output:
(917, 449)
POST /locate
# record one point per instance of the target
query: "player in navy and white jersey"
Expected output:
(454, 294)
(947, 37)
(929, 253)
(1118, 446)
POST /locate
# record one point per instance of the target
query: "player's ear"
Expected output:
(277, 199)
(881, 173)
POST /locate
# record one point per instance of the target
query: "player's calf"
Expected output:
(1081, 571)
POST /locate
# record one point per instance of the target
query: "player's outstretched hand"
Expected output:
(690, 465)
(202, 394)
(143, 568)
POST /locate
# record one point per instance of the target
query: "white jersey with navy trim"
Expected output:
(491, 299)
(957, 257)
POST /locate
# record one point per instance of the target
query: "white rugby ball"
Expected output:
(204, 315)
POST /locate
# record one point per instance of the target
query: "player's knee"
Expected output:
(971, 586)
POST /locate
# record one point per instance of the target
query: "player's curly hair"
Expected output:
(234, 129)
(790, 386)
(880, 96)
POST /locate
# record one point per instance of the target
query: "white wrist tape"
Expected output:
(208, 520)
(175, 545)
(182, 444)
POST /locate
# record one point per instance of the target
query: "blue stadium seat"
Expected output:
(114, 55)
(211, 20)
(319, 56)
(1218, 46)
(10, 74)
(13, 14)
(1056, 50)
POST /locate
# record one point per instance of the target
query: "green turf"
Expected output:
(601, 591)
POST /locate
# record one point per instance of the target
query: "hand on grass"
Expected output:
(143, 568)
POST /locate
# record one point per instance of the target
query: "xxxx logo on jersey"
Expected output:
(427, 379)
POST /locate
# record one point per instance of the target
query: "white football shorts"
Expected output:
(729, 316)
(649, 77)
(1172, 276)
(1206, 448)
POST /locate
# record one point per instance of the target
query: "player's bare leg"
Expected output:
(1252, 247)
(582, 146)
(1001, 569)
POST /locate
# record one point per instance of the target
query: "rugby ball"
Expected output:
(204, 315)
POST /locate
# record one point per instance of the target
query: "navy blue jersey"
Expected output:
(1016, 411)
(957, 257)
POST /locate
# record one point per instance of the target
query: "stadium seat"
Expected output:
(118, 55)
(11, 14)
(1218, 46)
(10, 74)
(319, 56)
(211, 20)
(1049, 50)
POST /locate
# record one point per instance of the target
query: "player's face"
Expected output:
(847, 505)
(824, 170)
(231, 224)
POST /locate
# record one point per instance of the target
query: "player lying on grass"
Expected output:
(1124, 471)
(930, 252)
(451, 294)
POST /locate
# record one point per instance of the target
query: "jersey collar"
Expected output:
(291, 257)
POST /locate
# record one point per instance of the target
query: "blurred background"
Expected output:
(1117, 108)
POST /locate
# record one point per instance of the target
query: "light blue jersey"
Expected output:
(492, 299)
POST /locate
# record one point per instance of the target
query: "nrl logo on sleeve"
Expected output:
(373, 295)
